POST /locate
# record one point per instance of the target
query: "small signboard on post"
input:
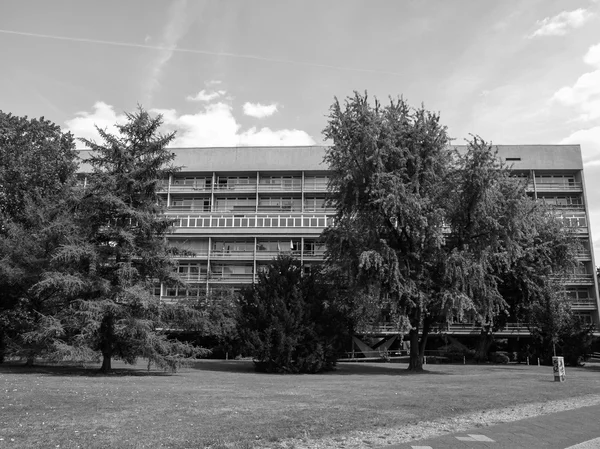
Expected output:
(558, 366)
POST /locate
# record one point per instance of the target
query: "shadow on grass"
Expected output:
(76, 370)
(342, 369)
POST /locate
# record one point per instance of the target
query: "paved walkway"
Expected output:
(556, 431)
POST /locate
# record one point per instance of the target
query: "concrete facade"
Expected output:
(237, 208)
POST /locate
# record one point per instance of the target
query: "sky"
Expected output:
(265, 72)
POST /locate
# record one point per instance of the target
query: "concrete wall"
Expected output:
(251, 159)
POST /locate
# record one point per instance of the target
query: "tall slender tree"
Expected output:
(422, 230)
(111, 268)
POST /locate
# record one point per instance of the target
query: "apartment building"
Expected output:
(237, 208)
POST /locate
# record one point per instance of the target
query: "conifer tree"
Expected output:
(111, 268)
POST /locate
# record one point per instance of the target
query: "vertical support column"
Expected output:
(254, 273)
(212, 192)
(257, 183)
(302, 193)
(169, 190)
(302, 250)
(208, 263)
(534, 185)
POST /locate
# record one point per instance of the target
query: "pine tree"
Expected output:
(111, 268)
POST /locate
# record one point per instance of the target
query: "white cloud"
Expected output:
(214, 125)
(589, 139)
(85, 123)
(562, 23)
(592, 57)
(584, 94)
(204, 95)
(259, 110)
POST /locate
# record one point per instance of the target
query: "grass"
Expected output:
(226, 404)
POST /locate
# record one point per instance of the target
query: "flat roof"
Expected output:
(310, 158)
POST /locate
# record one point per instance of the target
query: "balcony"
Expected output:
(575, 279)
(555, 187)
(252, 221)
(192, 278)
(188, 209)
(583, 254)
(318, 254)
(249, 186)
(231, 254)
(578, 304)
(315, 186)
(292, 186)
(269, 255)
(231, 278)
(187, 188)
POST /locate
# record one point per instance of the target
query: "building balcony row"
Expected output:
(575, 279)
(251, 220)
(555, 187)
(247, 209)
(251, 255)
(295, 185)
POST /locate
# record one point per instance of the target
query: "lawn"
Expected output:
(226, 404)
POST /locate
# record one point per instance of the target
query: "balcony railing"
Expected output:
(237, 187)
(242, 278)
(196, 187)
(583, 304)
(575, 279)
(555, 187)
(315, 186)
(191, 278)
(268, 255)
(228, 254)
(252, 221)
(295, 186)
(454, 328)
(583, 254)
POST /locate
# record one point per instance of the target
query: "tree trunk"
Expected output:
(2, 348)
(106, 344)
(106, 363)
(30, 360)
(417, 355)
(486, 338)
(415, 363)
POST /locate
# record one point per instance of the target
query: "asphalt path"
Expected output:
(572, 429)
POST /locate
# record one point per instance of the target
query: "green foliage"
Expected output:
(422, 231)
(37, 198)
(556, 330)
(290, 322)
(213, 324)
(110, 267)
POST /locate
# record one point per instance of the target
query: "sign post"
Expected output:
(558, 366)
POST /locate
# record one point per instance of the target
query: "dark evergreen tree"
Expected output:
(111, 268)
(290, 322)
(37, 197)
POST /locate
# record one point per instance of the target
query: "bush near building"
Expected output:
(290, 321)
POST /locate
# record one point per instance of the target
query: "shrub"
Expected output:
(499, 357)
(290, 322)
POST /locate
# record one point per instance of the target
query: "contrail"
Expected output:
(198, 52)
